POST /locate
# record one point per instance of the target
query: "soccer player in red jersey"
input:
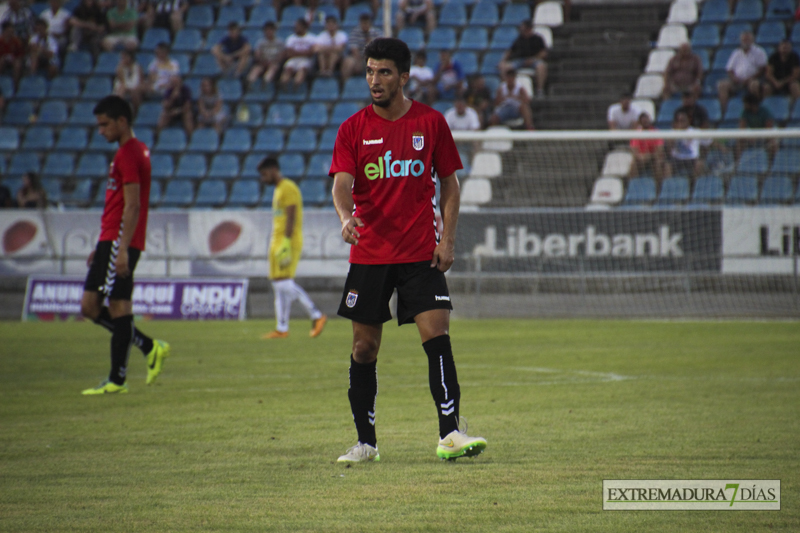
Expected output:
(386, 161)
(122, 237)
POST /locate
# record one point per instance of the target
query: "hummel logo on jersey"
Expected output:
(386, 168)
(373, 141)
(442, 298)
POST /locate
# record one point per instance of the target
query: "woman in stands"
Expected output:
(31, 195)
(211, 111)
(128, 80)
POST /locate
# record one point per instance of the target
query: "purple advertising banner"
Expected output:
(59, 298)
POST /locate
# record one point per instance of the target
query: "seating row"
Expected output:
(742, 190)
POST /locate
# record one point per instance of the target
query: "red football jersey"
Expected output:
(131, 165)
(395, 165)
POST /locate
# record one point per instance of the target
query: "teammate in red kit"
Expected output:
(386, 161)
(122, 238)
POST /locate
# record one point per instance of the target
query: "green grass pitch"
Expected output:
(241, 434)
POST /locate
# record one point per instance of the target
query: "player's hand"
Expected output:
(90, 259)
(350, 232)
(284, 253)
(121, 263)
(443, 256)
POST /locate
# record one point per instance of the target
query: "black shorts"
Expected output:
(368, 289)
(102, 276)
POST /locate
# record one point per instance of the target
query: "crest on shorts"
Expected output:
(418, 141)
(350, 301)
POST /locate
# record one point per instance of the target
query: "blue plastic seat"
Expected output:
(712, 106)
(269, 140)
(715, 11)
(96, 88)
(413, 37)
(92, 165)
(453, 14)
(53, 112)
(230, 90)
(161, 166)
(705, 58)
(281, 114)
(290, 14)
(22, 162)
(244, 193)
(267, 196)
(7, 87)
(708, 189)
(38, 138)
(355, 89)
(178, 194)
(302, 140)
(72, 138)
(328, 138)
(778, 106)
(710, 82)
(59, 164)
(236, 140)
(154, 36)
(82, 114)
(98, 143)
(18, 113)
(9, 139)
(205, 65)
(292, 165)
(355, 11)
(260, 15)
(674, 191)
(64, 87)
(770, 33)
(250, 166)
(442, 39)
(734, 111)
(319, 164)
(780, 10)
(666, 112)
(148, 114)
(490, 62)
(503, 37)
(191, 166)
(214, 36)
(475, 40)
(107, 64)
(748, 11)
(145, 135)
(468, 61)
(787, 161)
(776, 190)
(78, 64)
(156, 192)
(313, 114)
(514, 13)
(640, 191)
(188, 40)
(342, 111)
(485, 14)
(324, 90)
(224, 166)
(205, 140)
(171, 140)
(314, 192)
(733, 32)
(742, 190)
(721, 57)
(753, 161)
(81, 193)
(32, 88)
(228, 14)
(52, 187)
(211, 193)
(293, 95)
(200, 16)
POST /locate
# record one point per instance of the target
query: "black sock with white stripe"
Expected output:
(121, 339)
(140, 340)
(444, 382)
(362, 394)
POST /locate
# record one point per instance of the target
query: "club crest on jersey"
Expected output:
(352, 296)
(418, 141)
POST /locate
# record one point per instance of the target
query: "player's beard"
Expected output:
(387, 102)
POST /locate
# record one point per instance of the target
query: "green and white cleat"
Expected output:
(360, 453)
(458, 444)
(107, 387)
(155, 360)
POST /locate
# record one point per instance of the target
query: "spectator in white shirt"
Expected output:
(420, 85)
(57, 18)
(161, 70)
(42, 50)
(300, 55)
(745, 67)
(330, 46)
(623, 115)
(462, 117)
(683, 155)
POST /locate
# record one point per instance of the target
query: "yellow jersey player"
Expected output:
(285, 248)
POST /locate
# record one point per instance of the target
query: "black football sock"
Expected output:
(120, 347)
(140, 340)
(362, 394)
(444, 382)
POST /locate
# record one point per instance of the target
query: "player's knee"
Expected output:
(89, 309)
(365, 350)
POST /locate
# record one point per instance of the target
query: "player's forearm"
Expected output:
(343, 198)
(130, 219)
(291, 216)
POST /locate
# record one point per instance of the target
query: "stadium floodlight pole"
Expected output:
(620, 135)
(387, 18)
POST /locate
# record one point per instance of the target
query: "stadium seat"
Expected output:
(706, 36)
(191, 166)
(268, 194)
(324, 90)
(107, 64)
(269, 140)
(53, 112)
(666, 112)
(342, 111)
(683, 12)
(83, 114)
(314, 192)
(96, 88)
(475, 40)
(38, 138)
(733, 32)
(60, 164)
(713, 107)
(753, 161)
(249, 114)
(52, 187)
(787, 161)
(171, 140)
(674, 191)
(770, 33)
(9, 139)
(319, 164)
(64, 87)
(72, 138)
(236, 140)
(178, 194)
(145, 135)
(154, 36)
(91, 165)
(545, 33)
(22, 162)
(200, 16)
(32, 88)
(502, 38)
(715, 11)
(776, 190)
(548, 14)
(780, 10)
(314, 114)
(292, 95)
(658, 59)
(453, 14)
(485, 13)
(292, 165)
(742, 190)
(224, 166)
(188, 40)
(229, 90)
(514, 13)
(649, 86)
(355, 11)
(328, 138)
(7, 87)
(214, 36)
(748, 11)
(413, 37)
(155, 193)
(205, 65)
(211, 193)
(640, 191)
(468, 61)
(490, 62)
(355, 89)
(290, 14)
(607, 190)
(721, 57)
(672, 36)
(710, 82)
(476, 191)
(302, 140)
(80, 194)
(204, 140)
(98, 143)
(244, 193)
(77, 64)
(259, 93)
(708, 189)
(734, 110)
(281, 114)
(260, 15)
(486, 165)
(161, 166)
(250, 166)
(778, 106)
(228, 14)
(442, 39)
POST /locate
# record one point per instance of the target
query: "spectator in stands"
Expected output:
(528, 51)
(161, 70)
(87, 26)
(42, 50)
(783, 72)
(462, 117)
(129, 81)
(330, 47)
(268, 55)
(512, 102)
(122, 22)
(623, 115)
(211, 111)
(684, 154)
(233, 52)
(31, 195)
(684, 73)
(448, 76)
(167, 14)
(176, 106)
(21, 17)
(6, 199)
(698, 116)
(647, 152)
(300, 54)
(420, 85)
(12, 51)
(2, 104)
(57, 18)
(413, 11)
(359, 37)
(479, 98)
(745, 68)
(143, 19)
(755, 116)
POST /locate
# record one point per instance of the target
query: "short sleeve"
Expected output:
(129, 165)
(445, 155)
